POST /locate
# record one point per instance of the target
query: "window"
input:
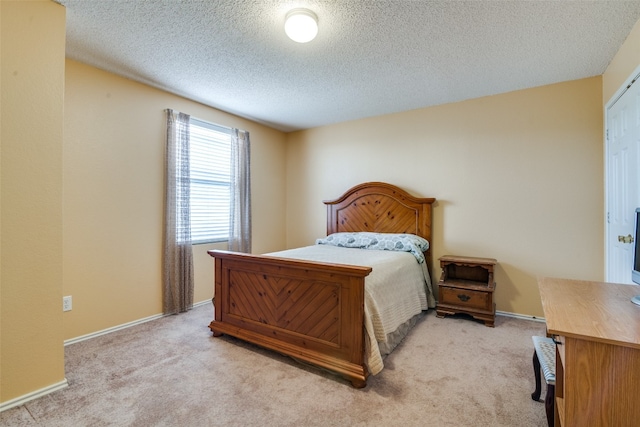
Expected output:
(210, 165)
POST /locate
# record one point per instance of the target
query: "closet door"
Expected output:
(623, 180)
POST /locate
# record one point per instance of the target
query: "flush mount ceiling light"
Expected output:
(301, 25)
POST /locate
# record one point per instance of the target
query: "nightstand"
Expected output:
(466, 286)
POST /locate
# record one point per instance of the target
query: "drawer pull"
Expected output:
(463, 297)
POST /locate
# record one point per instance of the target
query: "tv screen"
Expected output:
(635, 274)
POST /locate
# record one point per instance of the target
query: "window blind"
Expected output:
(210, 164)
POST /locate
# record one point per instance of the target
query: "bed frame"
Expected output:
(312, 311)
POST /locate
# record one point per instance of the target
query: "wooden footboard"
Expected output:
(310, 311)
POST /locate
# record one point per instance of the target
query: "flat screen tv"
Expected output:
(635, 273)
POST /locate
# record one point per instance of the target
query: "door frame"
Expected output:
(633, 78)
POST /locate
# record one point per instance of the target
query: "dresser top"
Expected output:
(594, 311)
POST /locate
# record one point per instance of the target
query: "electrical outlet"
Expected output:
(66, 303)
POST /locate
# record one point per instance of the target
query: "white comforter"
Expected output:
(397, 289)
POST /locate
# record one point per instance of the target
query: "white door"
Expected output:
(623, 181)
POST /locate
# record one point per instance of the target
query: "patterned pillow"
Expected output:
(379, 241)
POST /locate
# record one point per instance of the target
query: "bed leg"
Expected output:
(215, 334)
(358, 383)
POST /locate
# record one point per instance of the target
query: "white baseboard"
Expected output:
(124, 326)
(198, 304)
(33, 395)
(520, 316)
(112, 329)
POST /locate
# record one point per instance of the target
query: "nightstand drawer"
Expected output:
(465, 298)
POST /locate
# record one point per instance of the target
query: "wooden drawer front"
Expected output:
(466, 298)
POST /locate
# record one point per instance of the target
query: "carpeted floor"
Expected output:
(172, 372)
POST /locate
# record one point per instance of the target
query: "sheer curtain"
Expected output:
(178, 255)
(240, 188)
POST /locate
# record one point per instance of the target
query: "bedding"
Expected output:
(379, 241)
(397, 289)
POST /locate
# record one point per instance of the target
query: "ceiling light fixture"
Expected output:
(301, 25)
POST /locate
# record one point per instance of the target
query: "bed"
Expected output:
(315, 311)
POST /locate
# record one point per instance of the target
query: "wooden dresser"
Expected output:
(597, 329)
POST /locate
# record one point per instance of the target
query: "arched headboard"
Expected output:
(381, 208)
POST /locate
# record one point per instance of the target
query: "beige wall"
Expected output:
(113, 197)
(626, 61)
(32, 70)
(518, 177)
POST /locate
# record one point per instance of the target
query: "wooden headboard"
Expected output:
(381, 208)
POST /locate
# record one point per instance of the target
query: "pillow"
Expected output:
(379, 241)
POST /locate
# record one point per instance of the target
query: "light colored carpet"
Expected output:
(172, 372)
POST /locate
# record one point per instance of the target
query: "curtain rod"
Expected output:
(209, 123)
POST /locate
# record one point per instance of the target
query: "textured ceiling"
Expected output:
(371, 57)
